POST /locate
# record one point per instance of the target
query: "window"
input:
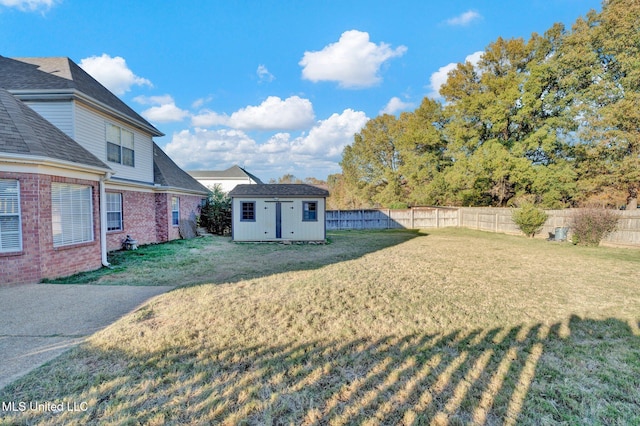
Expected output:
(114, 212)
(248, 213)
(10, 226)
(309, 211)
(175, 211)
(71, 214)
(120, 146)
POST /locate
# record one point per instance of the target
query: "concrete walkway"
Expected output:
(38, 322)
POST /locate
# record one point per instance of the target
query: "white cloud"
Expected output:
(154, 100)
(209, 119)
(201, 101)
(439, 78)
(165, 113)
(293, 113)
(354, 61)
(464, 19)
(328, 138)
(396, 104)
(29, 5)
(113, 73)
(164, 109)
(316, 153)
(264, 75)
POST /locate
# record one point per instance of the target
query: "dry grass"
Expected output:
(450, 327)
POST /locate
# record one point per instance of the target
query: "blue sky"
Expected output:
(275, 86)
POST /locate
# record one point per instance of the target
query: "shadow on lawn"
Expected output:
(525, 375)
(215, 260)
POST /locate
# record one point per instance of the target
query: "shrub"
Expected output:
(216, 213)
(590, 226)
(529, 219)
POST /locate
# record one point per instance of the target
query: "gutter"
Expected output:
(103, 220)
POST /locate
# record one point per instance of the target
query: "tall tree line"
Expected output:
(553, 120)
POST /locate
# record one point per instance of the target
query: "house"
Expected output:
(227, 179)
(79, 171)
(278, 212)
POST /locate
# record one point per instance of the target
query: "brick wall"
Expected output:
(163, 215)
(138, 219)
(146, 217)
(189, 209)
(38, 258)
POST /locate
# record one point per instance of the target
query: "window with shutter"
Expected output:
(10, 220)
(71, 214)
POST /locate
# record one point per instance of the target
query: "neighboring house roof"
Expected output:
(233, 172)
(24, 132)
(59, 77)
(167, 173)
(278, 190)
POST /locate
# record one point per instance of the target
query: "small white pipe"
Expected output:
(103, 220)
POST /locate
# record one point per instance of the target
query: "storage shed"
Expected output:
(278, 212)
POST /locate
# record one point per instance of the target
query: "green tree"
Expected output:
(529, 218)
(216, 213)
(603, 51)
(371, 165)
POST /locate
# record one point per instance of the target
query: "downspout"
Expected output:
(103, 220)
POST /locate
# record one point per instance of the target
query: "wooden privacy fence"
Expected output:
(491, 219)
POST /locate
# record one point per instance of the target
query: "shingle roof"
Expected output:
(233, 172)
(23, 131)
(167, 173)
(278, 190)
(48, 75)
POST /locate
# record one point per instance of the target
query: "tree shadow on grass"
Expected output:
(577, 371)
(215, 260)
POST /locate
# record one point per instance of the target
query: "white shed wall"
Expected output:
(293, 228)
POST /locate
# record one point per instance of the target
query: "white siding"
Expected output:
(226, 185)
(60, 114)
(292, 226)
(90, 133)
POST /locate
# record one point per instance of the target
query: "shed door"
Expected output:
(278, 220)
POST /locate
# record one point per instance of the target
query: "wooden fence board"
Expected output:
(490, 219)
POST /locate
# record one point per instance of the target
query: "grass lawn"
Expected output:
(446, 327)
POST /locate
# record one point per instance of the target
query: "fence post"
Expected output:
(437, 218)
(412, 218)
(388, 218)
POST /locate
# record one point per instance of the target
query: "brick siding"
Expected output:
(138, 219)
(146, 218)
(38, 258)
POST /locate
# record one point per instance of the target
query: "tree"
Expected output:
(287, 178)
(371, 164)
(216, 213)
(529, 219)
(603, 52)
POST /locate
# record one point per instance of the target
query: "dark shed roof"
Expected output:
(167, 173)
(23, 131)
(278, 190)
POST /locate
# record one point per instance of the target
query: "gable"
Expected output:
(24, 132)
(61, 78)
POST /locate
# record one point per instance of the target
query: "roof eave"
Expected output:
(74, 94)
(48, 161)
